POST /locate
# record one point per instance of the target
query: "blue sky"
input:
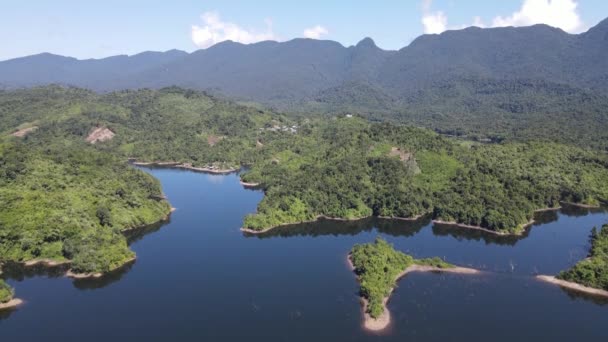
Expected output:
(94, 29)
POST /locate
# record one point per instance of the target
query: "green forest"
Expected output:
(69, 199)
(6, 292)
(377, 266)
(63, 200)
(592, 271)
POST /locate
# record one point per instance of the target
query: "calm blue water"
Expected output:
(199, 278)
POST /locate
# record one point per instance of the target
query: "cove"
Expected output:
(197, 277)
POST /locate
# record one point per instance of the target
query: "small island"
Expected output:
(590, 275)
(378, 267)
(7, 300)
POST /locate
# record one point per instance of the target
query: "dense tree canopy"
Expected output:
(6, 292)
(593, 271)
(377, 266)
(65, 200)
(343, 167)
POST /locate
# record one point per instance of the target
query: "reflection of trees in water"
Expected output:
(478, 235)
(576, 295)
(6, 313)
(540, 218)
(324, 227)
(137, 234)
(105, 280)
(576, 211)
(404, 228)
(20, 272)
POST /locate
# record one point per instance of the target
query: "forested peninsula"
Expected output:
(68, 191)
(378, 267)
(592, 272)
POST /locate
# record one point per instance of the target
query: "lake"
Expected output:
(197, 277)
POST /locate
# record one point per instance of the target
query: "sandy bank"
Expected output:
(11, 304)
(547, 209)
(187, 166)
(46, 262)
(382, 322)
(580, 205)
(95, 275)
(414, 218)
(249, 185)
(573, 286)
(462, 225)
(253, 231)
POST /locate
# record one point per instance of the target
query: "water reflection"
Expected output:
(20, 272)
(324, 227)
(576, 295)
(105, 280)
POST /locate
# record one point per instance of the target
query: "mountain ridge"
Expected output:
(446, 81)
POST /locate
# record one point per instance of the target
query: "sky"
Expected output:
(96, 29)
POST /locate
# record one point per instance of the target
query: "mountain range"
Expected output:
(450, 82)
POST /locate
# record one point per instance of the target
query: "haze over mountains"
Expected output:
(464, 76)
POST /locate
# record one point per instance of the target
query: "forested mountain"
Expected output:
(340, 166)
(487, 83)
(294, 69)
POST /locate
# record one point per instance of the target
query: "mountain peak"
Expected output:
(601, 26)
(367, 42)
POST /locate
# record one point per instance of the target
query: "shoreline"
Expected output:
(249, 185)
(97, 275)
(573, 286)
(54, 263)
(413, 218)
(499, 233)
(581, 205)
(186, 166)
(11, 304)
(265, 230)
(381, 323)
(547, 209)
(45, 262)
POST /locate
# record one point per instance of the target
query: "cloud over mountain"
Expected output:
(216, 30)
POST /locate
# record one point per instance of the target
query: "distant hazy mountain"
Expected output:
(295, 69)
(478, 72)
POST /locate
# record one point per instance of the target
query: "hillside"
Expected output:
(341, 167)
(499, 83)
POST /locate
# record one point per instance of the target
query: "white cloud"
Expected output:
(556, 13)
(215, 30)
(478, 22)
(315, 32)
(434, 23)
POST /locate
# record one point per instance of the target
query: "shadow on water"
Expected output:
(6, 313)
(404, 228)
(134, 235)
(324, 227)
(576, 211)
(105, 280)
(19, 272)
(576, 295)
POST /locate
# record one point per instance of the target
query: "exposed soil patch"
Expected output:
(100, 134)
(212, 140)
(23, 132)
(397, 152)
